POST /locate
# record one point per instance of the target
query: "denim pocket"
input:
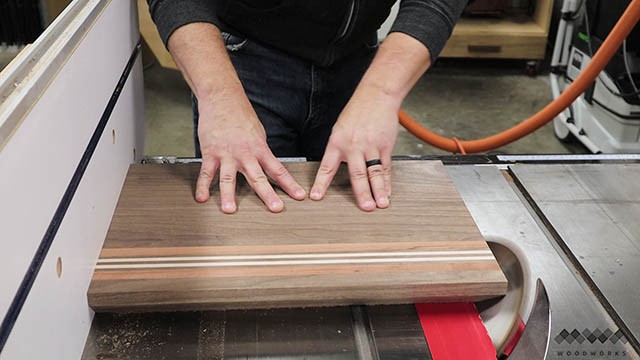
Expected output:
(233, 42)
(372, 44)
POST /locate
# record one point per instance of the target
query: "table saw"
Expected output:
(564, 226)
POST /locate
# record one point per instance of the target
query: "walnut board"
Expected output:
(164, 251)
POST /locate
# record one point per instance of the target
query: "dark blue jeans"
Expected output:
(296, 101)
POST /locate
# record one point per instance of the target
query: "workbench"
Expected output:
(567, 224)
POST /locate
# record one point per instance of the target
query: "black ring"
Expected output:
(373, 162)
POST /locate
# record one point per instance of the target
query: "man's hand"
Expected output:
(232, 138)
(368, 126)
(366, 130)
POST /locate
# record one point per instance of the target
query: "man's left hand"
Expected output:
(366, 130)
(363, 137)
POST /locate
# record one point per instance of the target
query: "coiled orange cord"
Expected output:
(620, 31)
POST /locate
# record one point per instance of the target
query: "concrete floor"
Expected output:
(463, 98)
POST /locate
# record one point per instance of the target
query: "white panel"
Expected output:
(35, 168)
(386, 26)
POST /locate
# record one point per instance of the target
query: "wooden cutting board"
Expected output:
(165, 251)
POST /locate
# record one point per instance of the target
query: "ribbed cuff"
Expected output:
(430, 22)
(169, 15)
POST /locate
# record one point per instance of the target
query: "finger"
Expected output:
(360, 182)
(260, 184)
(386, 168)
(228, 173)
(208, 171)
(377, 182)
(274, 168)
(327, 171)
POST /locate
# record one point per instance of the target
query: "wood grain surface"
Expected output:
(164, 251)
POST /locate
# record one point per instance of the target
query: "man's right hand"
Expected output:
(232, 139)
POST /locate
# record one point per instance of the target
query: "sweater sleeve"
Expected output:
(169, 15)
(429, 21)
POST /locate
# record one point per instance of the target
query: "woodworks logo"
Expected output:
(588, 337)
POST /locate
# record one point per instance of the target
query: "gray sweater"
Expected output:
(322, 31)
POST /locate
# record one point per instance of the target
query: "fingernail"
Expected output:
(228, 208)
(276, 206)
(384, 202)
(315, 195)
(369, 204)
(300, 193)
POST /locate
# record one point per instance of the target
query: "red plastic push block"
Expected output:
(454, 331)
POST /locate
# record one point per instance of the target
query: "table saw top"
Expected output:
(565, 233)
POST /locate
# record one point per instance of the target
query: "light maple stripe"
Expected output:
(295, 256)
(294, 262)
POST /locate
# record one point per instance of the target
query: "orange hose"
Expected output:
(612, 43)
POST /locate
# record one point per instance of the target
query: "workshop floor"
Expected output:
(463, 98)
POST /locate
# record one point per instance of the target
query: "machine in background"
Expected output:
(606, 118)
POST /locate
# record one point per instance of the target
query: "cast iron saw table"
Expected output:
(569, 221)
